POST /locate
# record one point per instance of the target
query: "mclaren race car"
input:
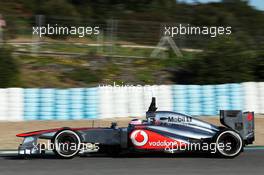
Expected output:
(161, 131)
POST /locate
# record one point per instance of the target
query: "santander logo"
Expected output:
(139, 137)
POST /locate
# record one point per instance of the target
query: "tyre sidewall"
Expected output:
(234, 133)
(56, 149)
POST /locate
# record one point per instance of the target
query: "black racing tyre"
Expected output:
(229, 143)
(66, 143)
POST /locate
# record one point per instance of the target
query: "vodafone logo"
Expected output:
(139, 137)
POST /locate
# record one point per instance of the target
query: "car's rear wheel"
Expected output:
(229, 143)
(66, 143)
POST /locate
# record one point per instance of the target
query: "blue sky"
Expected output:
(259, 4)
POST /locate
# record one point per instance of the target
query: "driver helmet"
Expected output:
(135, 122)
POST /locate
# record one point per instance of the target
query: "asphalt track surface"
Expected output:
(249, 162)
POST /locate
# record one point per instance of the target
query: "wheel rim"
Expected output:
(232, 143)
(67, 143)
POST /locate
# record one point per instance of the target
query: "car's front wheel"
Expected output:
(66, 143)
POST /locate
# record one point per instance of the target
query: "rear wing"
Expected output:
(242, 122)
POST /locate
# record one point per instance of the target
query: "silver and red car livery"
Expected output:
(161, 131)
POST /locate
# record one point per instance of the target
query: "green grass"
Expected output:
(92, 68)
(86, 71)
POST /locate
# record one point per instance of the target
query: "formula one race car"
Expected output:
(162, 131)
